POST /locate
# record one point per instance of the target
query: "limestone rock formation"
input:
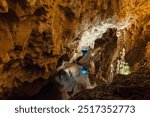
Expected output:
(35, 34)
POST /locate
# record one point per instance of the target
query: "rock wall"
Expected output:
(34, 34)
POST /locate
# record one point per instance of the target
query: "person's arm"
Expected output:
(92, 68)
(75, 56)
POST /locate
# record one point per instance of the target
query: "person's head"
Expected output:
(85, 50)
(84, 70)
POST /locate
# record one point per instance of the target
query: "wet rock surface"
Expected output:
(37, 35)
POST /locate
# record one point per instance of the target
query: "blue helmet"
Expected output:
(84, 71)
(85, 51)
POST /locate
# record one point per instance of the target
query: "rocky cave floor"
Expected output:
(37, 35)
(133, 87)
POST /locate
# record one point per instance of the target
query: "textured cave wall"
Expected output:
(34, 34)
